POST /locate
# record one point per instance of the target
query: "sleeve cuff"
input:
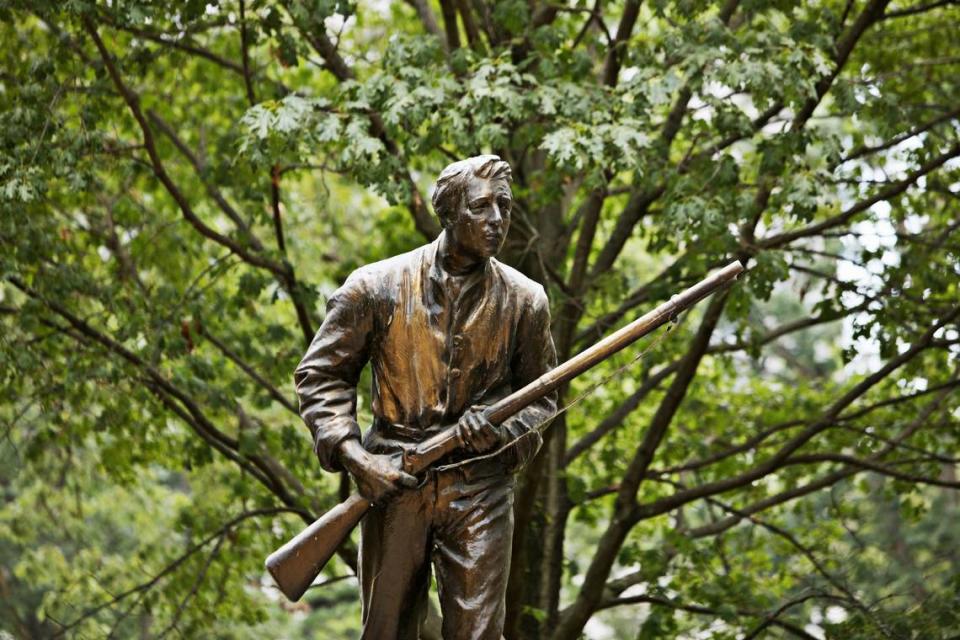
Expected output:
(328, 440)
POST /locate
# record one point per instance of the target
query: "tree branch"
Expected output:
(245, 55)
(185, 406)
(704, 610)
(469, 26)
(828, 480)
(615, 55)
(576, 616)
(920, 8)
(827, 419)
(450, 24)
(429, 20)
(288, 277)
(181, 44)
(616, 418)
(252, 373)
(196, 586)
(133, 102)
(422, 218)
(173, 566)
(199, 169)
(866, 150)
(888, 193)
(802, 548)
(876, 467)
(638, 205)
(872, 12)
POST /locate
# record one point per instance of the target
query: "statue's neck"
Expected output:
(455, 261)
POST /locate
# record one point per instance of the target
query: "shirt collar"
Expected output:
(439, 275)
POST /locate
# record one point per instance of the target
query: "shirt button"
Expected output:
(454, 373)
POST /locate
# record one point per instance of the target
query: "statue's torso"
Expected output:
(441, 343)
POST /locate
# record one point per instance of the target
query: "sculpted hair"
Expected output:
(452, 182)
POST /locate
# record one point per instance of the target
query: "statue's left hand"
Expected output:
(477, 432)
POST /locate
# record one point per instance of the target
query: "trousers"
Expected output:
(461, 521)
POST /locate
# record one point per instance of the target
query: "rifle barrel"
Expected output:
(620, 339)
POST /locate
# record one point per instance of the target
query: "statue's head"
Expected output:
(473, 201)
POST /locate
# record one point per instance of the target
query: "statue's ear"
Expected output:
(447, 221)
(453, 216)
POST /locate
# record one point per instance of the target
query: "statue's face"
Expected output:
(481, 225)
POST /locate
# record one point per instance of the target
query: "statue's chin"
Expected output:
(490, 252)
(494, 247)
(479, 248)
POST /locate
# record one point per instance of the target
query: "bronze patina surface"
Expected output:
(296, 564)
(446, 329)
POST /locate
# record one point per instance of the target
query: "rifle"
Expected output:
(296, 564)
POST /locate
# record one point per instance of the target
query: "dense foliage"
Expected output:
(183, 184)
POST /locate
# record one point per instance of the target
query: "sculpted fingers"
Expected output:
(399, 479)
(476, 425)
(370, 490)
(480, 431)
(476, 432)
(492, 438)
(486, 435)
(468, 430)
(376, 489)
(379, 478)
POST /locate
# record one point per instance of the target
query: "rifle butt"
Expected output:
(295, 565)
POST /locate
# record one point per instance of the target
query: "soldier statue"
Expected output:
(447, 330)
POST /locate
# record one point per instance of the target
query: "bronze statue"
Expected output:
(447, 329)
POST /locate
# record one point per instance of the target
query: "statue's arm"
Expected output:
(326, 378)
(534, 355)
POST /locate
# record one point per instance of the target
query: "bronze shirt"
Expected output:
(437, 345)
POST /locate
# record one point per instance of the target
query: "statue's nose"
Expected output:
(496, 219)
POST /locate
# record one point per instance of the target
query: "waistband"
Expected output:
(404, 432)
(387, 436)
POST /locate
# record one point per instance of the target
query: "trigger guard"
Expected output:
(407, 458)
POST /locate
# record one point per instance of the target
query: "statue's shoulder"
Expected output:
(386, 273)
(527, 289)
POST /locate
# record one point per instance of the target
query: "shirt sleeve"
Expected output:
(326, 378)
(534, 355)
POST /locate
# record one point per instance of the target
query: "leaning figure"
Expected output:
(447, 330)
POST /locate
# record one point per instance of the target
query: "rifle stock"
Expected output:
(296, 564)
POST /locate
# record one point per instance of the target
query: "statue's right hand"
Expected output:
(377, 476)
